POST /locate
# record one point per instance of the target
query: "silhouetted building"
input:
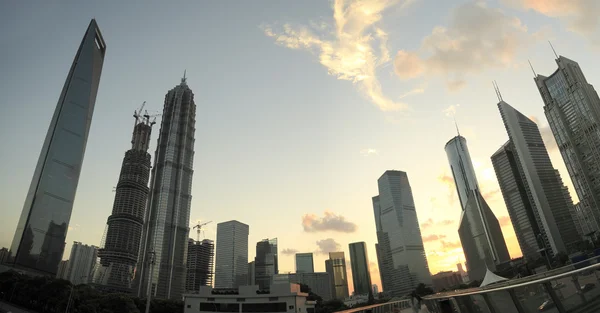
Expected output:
(200, 260)
(319, 283)
(39, 240)
(63, 270)
(251, 274)
(231, 263)
(446, 280)
(572, 108)
(479, 231)
(266, 263)
(359, 263)
(82, 263)
(400, 250)
(304, 263)
(166, 228)
(3, 255)
(121, 243)
(535, 196)
(336, 268)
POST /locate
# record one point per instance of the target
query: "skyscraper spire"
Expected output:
(184, 79)
(551, 46)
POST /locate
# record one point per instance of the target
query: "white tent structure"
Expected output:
(491, 278)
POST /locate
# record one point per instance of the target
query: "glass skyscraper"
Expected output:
(266, 263)
(359, 263)
(121, 242)
(543, 186)
(304, 263)
(165, 233)
(400, 250)
(39, 240)
(479, 231)
(231, 260)
(572, 107)
(336, 267)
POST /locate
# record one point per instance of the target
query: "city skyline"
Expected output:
(232, 122)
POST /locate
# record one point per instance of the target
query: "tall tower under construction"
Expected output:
(121, 243)
(162, 263)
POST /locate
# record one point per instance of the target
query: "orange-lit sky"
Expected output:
(301, 105)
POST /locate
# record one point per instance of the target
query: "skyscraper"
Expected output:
(359, 262)
(121, 242)
(572, 108)
(39, 240)
(304, 263)
(544, 187)
(266, 263)
(336, 267)
(231, 263)
(81, 263)
(165, 233)
(63, 270)
(479, 231)
(200, 260)
(400, 250)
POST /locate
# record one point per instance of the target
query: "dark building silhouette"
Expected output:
(266, 263)
(200, 260)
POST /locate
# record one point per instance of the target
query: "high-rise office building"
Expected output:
(251, 274)
(266, 263)
(39, 240)
(544, 187)
(200, 260)
(572, 108)
(165, 233)
(231, 263)
(63, 270)
(121, 242)
(479, 231)
(400, 251)
(304, 263)
(319, 283)
(359, 263)
(81, 263)
(336, 268)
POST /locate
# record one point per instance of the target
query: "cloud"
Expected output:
(450, 111)
(491, 193)
(450, 245)
(446, 222)
(476, 38)
(433, 237)
(328, 245)
(430, 222)
(368, 152)
(353, 49)
(504, 221)
(73, 227)
(331, 221)
(289, 251)
(580, 16)
(448, 181)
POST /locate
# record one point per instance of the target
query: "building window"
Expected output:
(219, 307)
(264, 307)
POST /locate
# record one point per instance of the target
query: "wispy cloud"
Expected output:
(369, 152)
(580, 16)
(329, 222)
(477, 38)
(450, 245)
(289, 251)
(504, 221)
(353, 49)
(430, 223)
(450, 111)
(433, 237)
(447, 180)
(327, 245)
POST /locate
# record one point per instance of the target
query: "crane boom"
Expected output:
(199, 226)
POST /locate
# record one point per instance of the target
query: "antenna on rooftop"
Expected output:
(551, 46)
(498, 94)
(534, 73)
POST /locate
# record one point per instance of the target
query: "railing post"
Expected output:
(516, 301)
(555, 299)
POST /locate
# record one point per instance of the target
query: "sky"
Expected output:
(301, 106)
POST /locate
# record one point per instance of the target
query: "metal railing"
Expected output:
(574, 288)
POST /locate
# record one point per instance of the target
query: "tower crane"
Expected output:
(199, 226)
(137, 113)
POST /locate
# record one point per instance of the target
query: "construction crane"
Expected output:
(148, 116)
(199, 226)
(137, 113)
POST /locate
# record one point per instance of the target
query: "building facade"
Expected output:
(63, 270)
(446, 280)
(39, 241)
(336, 268)
(549, 199)
(280, 298)
(231, 262)
(359, 263)
(400, 251)
(82, 263)
(319, 283)
(200, 261)
(251, 274)
(304, 263)
(266, 263)
(572, 107)
(3, 255)
(121, 242)
(165, 232)
(479, 231)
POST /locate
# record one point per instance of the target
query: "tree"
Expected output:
(423, 290)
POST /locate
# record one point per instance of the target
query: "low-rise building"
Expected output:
(280, 298)
(319, 283)
(445, 280)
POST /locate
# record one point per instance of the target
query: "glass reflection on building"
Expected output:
(359, 263)
(39, 240)
(336, 267)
